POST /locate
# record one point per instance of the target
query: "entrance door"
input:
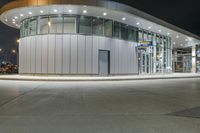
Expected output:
(145, 61)
(104, 65)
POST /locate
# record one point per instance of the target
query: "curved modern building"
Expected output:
(92, 37)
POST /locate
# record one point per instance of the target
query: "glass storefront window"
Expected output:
(124, 32)
(55, 24)
(108, 28)
(97, 24)
(84, 25)
(26, 27)
(69, 24)
(140, 36)
(44, 25)
(117, 30)
(32, 28)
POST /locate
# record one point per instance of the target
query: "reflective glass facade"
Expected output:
(154, 50)
(154, 53)
(61, 24)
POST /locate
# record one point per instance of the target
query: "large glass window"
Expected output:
(32, 28)
(84, 25)
(69, 24)
(108, 28)
(26, 27)
(97, 24)
(59, 24)
(124, 32)
(117, 30)
(44, 25)
(56, 24)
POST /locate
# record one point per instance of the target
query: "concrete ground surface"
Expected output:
(142, 106)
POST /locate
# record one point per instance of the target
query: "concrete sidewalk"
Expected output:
(98, 78)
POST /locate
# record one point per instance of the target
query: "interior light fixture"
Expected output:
(16, 17)
(49, 23)
(149, 27)
(168, 33)
(21, 15)
(159, 30)
(30, 13)
(177, 36)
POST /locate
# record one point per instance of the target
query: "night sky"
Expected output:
(182, 13)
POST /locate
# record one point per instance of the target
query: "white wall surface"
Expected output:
(74, 54)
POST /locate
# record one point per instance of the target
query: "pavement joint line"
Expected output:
(16, 97)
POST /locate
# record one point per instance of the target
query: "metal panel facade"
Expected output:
(75, 54)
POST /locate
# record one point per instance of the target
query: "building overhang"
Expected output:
(115, 11)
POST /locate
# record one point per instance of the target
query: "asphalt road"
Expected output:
(147, 106)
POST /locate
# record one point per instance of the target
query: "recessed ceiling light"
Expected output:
(55, 10)
(190, 39)
(6, 20)
(16, 17)
(159, 30)
(21, 15)
(177, 36)
(174, 43)
(41, 11)
(84, 11)
(105, 14)
(13, 20)
(123, 18)
(168, 33)
(70, 11)
(138, 23)
(149, 27)
(30, 13)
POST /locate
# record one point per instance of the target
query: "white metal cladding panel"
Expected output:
(132, 58)
(44, 54)
(58, 53)
(66, 53)
(112, 57)
(102, 43)
(39, 54)
(21, 56)
(108, 42)
(135, 60)
(25, 55)
(74, 54)
(51, 54)
(126, 56)
(33, 55)
(28, 55)
(120, 57)
(95, 54)
(81, 54)
(116, 56)
(88, 55)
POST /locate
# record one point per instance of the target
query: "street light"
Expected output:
(18, 41)
(13, 51)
